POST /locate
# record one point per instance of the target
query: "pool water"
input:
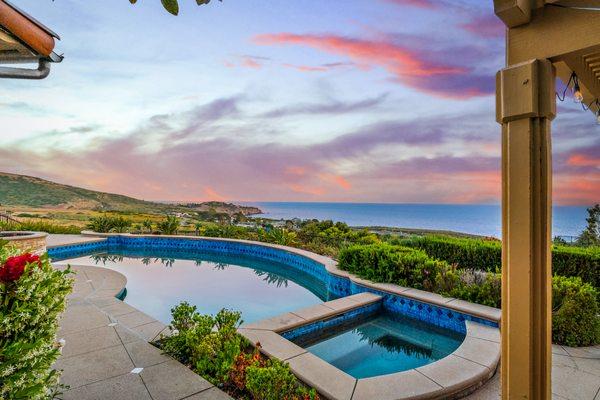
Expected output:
(157, 280)
(381, 344)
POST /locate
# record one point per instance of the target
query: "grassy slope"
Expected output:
(21, 190)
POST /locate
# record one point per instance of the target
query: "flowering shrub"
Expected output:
(211, 346)
(14, 266)
(32, 297)
(266, 379)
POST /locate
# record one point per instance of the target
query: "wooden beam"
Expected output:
(513, 12)
(574, 3)
(24, 29)
(553, 32)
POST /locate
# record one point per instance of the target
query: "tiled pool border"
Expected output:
(462, 372)
(429, 307)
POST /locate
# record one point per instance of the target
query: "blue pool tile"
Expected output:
(339, 286)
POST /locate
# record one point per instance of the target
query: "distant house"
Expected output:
(24, 40)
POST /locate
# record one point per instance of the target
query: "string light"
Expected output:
(578, 96)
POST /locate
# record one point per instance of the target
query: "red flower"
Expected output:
(14, 266)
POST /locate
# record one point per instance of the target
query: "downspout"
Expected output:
(42, 71)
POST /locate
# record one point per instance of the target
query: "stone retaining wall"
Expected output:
(34, 242)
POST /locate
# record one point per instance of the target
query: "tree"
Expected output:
(169, 225)
(591, 235)
(172, 6)
(147, 224)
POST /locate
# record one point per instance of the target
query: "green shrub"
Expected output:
(328, 238)
(32, 297)
(478, 287)
(393, 264)
(169, 226)
(108, 223)
(282, 237)
(480, 254)
(275, 381)
(226, 231)
(575, 311)
(582, 262)
(476, 254)
(209, 344)
(39, 226)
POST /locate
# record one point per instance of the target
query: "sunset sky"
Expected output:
(278, 100)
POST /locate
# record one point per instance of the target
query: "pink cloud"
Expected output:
(337, 180)
(413, 68)
(213, 162)
(295, 170)
(414, 3)
(576, 189)
(212, 195)
(486, 26)
(305, 189)
(306, 68)
(583, 160)
(249, 62)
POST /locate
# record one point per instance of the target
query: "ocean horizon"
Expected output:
(477, 219)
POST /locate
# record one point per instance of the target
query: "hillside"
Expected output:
(22, 190)
(31, 192)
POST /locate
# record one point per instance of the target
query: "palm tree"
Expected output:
(169, 225)
(147, 224)
(197, 227)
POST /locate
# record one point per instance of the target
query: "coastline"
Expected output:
(475, 220)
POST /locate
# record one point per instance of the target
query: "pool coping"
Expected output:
(485, 312)
(472, 364)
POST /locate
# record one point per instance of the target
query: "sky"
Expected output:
(276, 100)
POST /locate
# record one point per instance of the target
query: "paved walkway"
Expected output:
(107, 354)
(575, 375)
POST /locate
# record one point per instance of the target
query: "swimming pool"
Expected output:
(258, 279)
(159, 279)
(381, 343)
(367, 335)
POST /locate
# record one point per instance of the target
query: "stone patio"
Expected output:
(106, 353)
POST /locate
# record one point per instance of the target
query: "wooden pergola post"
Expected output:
(525, 108)
(544, 39)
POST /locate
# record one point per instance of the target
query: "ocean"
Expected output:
(473, 219)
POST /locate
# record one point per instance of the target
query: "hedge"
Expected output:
(486, 255)
(396, 264)
(32, 297)
(575, 303)
(575, 311)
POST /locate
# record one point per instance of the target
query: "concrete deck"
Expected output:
(55, 240)
(575, 375)
(106, 353)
